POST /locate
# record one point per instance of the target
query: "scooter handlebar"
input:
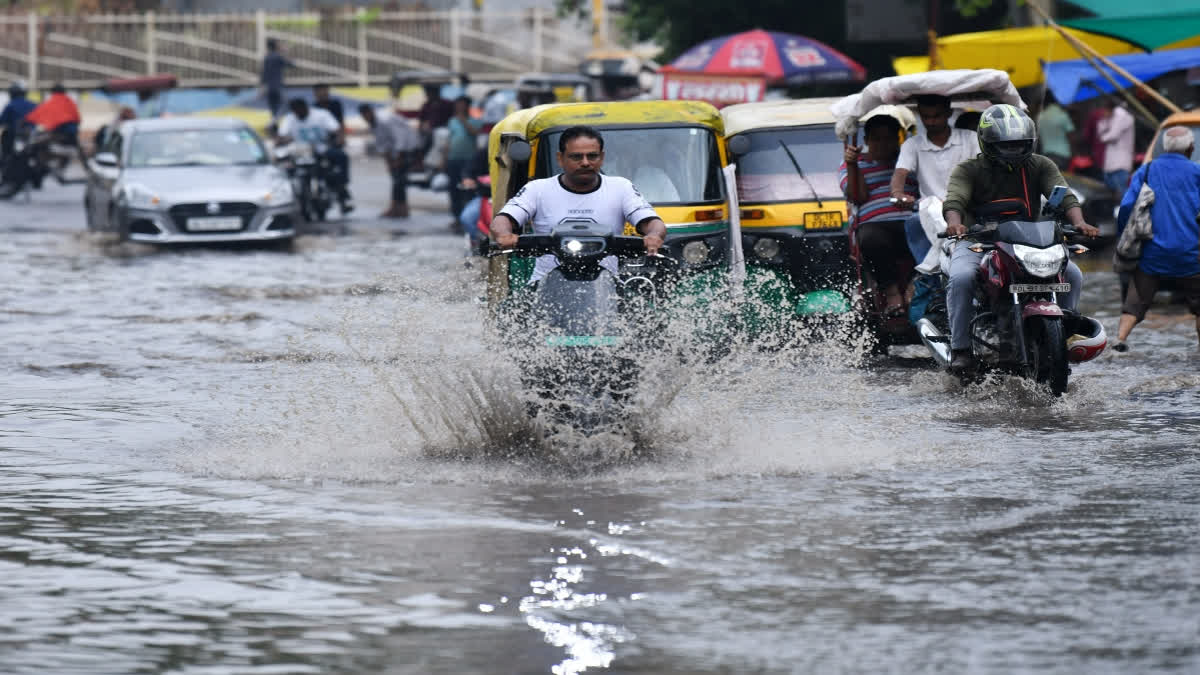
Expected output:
(541, 244)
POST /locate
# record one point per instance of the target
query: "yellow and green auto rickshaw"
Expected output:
(672, 152)
(792, 211)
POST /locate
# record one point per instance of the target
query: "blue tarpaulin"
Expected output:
(1073, 81)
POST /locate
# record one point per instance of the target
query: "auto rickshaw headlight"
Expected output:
(695, 252)
(766, 248)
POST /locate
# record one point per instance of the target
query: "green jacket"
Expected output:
(977, 182)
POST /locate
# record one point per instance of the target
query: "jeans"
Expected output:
(455, 170)
(339, 173)
(961, 290)
(400, 179)
(1117, 180)
(918, 243)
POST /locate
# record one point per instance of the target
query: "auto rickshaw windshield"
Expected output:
(765, 173)
(668, 165)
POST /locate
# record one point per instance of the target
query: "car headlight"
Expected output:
(766, 248)
(1041, 262)
(141, 197)
(281, 193)
(695, 252)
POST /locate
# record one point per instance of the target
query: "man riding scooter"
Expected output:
(321, 130)
(1001, 182)
(13, 116)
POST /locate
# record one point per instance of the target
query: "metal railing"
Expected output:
(359, 48)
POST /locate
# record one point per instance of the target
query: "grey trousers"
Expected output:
(961, 288)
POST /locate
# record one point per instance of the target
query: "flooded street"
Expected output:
(271, 461)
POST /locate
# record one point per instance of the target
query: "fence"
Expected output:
(349, 48)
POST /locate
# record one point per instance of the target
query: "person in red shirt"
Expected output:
(58, 114)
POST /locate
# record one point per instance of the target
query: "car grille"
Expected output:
(181, 212)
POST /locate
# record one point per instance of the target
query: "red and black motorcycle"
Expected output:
(1018, 325)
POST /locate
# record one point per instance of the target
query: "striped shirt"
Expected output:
(878, 177)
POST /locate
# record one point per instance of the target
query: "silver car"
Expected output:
(188, 180)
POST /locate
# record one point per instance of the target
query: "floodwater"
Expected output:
(261, 461)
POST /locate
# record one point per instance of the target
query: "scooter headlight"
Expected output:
(766, 248)
(581, 247)
(695, 252)
(1041, 262)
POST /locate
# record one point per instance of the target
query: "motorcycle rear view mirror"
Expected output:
(739, 145)
(106, 159)
(280, 153)
(520, 151)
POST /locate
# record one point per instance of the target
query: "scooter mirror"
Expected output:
(106, 159)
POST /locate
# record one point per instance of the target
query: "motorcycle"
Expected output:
(1018, 326)
(36, 153)
(307, 169)
(579, 324)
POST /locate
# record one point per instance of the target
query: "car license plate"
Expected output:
(823, 220)
(1039, 288)
(214, 224)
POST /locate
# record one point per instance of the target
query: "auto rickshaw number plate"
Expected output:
(823, 220)
(1039, 288)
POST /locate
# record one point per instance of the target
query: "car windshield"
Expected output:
(668, 165)
(1158, 142)
(195, 147)
(766, 173)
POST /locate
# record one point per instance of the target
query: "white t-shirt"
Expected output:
(614, 202)
(933, 164)
(316, 129)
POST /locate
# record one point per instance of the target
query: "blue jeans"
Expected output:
(918, 243)
(1117, 180)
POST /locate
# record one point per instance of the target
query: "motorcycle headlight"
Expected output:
(695, 252)
(1041, 262)
(766, 248)
(281, 193)
(141, 197)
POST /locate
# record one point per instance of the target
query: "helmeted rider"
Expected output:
(1004, 181)
(14, 115)
(320, 129)
(579, 192)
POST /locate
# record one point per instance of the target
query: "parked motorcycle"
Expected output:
(307, 169)
(574, 332)
(36, 154)
(1018, 326)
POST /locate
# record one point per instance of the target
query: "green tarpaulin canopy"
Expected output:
(1150, 24)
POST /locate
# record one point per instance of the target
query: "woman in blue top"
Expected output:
(460, 152)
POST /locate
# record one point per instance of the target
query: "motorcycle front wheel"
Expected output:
(1046, 345)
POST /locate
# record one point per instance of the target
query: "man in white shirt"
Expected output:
(1116, 131)
(932, 154)
(320, 129)
(580, 192)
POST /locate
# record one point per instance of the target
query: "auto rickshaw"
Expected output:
(792, 210)
(672, 152)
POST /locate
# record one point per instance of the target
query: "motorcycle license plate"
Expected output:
(823, 220)
(214, 224)
(1039, 288)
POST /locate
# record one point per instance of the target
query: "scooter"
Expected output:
(574, 331)
(1018, 326)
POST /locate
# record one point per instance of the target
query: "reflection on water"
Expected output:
(270, 462)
